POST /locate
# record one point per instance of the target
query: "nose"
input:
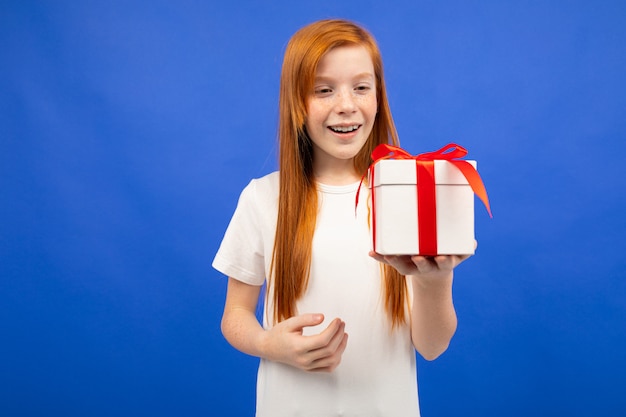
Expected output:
(345, 102)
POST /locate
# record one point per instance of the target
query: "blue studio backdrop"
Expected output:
(129, 128)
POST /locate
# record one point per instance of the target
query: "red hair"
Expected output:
(297, 205)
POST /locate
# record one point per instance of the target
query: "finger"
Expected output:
(452, 261)
(297, 323)
(423, 264)
(445, 262)
(330, 363)
(322, 339)
(378, 257)
(402, 263)
(332, 345)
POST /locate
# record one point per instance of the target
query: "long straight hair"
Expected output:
(298, 205)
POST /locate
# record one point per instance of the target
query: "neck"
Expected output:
(334, 174)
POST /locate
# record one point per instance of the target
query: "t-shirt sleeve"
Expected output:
(241, 253)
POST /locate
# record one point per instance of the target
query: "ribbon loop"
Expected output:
(385, 151)
(449, 152)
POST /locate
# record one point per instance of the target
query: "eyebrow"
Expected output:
(358, 76)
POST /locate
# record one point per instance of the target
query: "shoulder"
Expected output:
(267, 183)
(261, 191)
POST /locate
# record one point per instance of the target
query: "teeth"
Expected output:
(344, 129)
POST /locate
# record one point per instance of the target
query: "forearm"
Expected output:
(240, 325)
(243, 331)
(433, 318)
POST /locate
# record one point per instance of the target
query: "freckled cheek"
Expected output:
(369, 98)
(368, 103)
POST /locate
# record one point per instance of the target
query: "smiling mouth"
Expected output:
(344, 129)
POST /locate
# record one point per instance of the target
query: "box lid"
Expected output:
(402, 171)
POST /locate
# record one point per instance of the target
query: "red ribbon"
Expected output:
(426, 196)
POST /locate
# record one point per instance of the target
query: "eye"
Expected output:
(323, 90)
(363, 88)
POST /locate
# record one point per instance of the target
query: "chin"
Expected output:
(348, 153)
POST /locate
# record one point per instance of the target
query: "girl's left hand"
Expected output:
(421, 265)
(418, 265)
(424, 266)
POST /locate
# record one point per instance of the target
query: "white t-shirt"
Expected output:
(377, 374)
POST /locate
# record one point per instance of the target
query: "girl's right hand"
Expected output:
(321, 352)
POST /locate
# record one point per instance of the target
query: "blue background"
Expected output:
(128, 129)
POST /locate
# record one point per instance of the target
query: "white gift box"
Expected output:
(394, 207)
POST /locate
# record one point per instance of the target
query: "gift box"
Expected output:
(423, 204)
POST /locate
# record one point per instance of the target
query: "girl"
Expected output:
(341, 323)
